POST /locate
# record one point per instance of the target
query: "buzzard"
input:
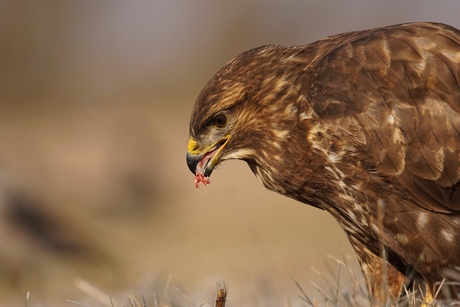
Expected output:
(364, 125)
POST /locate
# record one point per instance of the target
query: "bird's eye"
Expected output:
(220, 120)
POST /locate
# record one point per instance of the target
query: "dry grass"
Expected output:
(341, 290)
(353, 294)
(158, 296)
(344, 288)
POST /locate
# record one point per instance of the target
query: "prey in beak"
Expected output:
(202, 162)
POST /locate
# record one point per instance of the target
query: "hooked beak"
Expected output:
(203, 161)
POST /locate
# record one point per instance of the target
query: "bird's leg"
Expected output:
(384, 282)
(428, 299)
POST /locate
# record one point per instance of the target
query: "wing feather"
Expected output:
(402, 85)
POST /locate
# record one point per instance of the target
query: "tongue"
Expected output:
(199, 174)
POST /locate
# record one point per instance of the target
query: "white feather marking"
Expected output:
(304, 115)
(351, 214)
(422, 219)
(335, 157)
(456, 220)
(448, 235)
(453, 56)
(391, 119)
(281, 134)
(290, 110)
(402, 238)
(364, 222)
(239, 154)
(375, 229)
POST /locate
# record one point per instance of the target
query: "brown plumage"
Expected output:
(365, 125)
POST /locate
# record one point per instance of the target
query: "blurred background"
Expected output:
(95, 197)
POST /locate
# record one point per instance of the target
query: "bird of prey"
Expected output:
(364, 125)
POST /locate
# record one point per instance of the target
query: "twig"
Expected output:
(221, 296)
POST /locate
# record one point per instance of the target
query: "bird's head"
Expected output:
(244, 112)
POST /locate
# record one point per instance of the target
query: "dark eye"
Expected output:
(220, 120)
